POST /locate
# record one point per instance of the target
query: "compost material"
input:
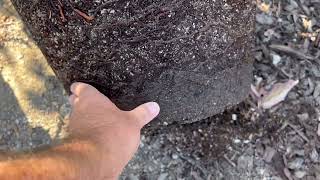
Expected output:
(191, 56)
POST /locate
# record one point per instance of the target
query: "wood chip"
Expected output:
(268, 154)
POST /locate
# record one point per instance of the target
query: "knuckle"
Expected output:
(81, 103)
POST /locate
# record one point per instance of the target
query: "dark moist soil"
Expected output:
(193, 57)
(211, 138)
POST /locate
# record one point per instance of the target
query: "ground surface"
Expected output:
(32, 102)
(279, 143)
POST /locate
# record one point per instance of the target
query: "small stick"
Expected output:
(291, 51)
(301, 134)
(84, 15)
(229, 161)
(317, 41)
(63, 18)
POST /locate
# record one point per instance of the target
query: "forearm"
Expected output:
(76, 159)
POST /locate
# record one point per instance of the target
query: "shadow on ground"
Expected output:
(7, 10)
(53, 96)
(15, 131)
(36, 97)
(52, 99)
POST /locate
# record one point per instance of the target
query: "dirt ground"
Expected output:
(32, 102)
(242, 143)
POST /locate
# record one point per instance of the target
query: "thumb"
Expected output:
(146, 113)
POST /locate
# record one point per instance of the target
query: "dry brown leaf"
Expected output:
(278, 93)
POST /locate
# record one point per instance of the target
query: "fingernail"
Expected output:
(72, 99)
(153, 108)
(73, 87)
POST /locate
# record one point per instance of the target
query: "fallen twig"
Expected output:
(291, 51)
(84, 15)
(301, 134)
(317, 40)
(229, 161)
(63, 18)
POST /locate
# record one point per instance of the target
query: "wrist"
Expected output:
(81, 156)
(91, 157)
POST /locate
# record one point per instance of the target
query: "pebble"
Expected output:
(175, 156)
(276, 59)
(237, 141)
(234, 117)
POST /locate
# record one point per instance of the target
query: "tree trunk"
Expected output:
(191, 56)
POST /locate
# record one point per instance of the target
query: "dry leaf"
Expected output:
(278, 93)
(264, 7)
(307, 24)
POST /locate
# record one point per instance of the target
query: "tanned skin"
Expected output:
(102, 140)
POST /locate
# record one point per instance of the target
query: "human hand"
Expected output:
(116, 132)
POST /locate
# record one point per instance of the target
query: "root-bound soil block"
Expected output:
(191, 56)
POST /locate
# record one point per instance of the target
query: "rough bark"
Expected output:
(191, 56)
